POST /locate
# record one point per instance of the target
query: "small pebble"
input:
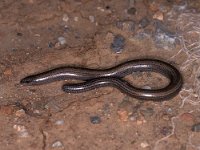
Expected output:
(57, 144)
(140, 122)
(57, 45)
(66, 28)
(7, 72)
(91, 18)
(22, 131)
(158, 15)
(118, 44)
(164, 37)
(165, 117)
(95, 119)
(146, 87)
(123, 115)
(37, 35)
(169, 110)
(196, 127)
(62, 40)
(36, 111)
(144, 22)
(20, 113)
(131, 11)
(144, 144)
(76, 19)
(59, 122)
(65, 18)
(101, 9)
(133, 117)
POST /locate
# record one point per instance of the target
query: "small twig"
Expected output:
(44, 138)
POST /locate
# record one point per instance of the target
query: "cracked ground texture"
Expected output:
(44, 117)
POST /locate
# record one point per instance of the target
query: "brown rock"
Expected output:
(141, 121)
(166, 117)
(7, 110)
(123, 115)
(187, 118)
(20, 113)
(158, 15)
(7, 72)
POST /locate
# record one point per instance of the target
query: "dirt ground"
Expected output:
(38, 35)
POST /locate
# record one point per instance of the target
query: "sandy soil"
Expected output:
(37, 35)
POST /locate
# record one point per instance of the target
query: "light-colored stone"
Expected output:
(76, 19)
(144, 144)
(57, 144)
(20, 113)
(62, 40)
(65, 18)
(59, 122)
(21, 130)
(158, 15)
(91, 18)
